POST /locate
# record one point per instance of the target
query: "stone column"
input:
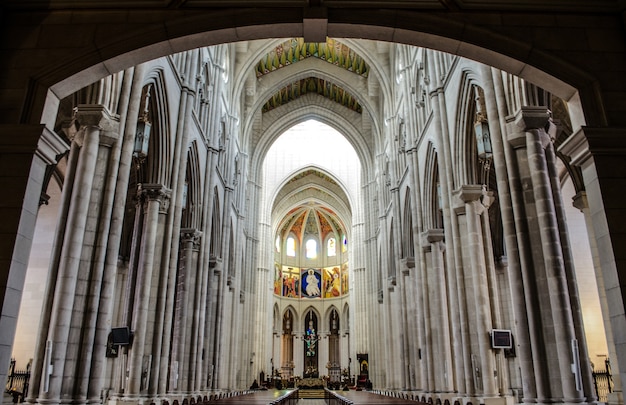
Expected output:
(555, 347)
(190, 240)
(511, 204)
(445, 163)
(25, 151)
(67, 326)
(156, 199)
(412, 265)
(440, 353)
(601, 153)
(90, 365)
(476, 274)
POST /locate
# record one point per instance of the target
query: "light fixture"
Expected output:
(142, 135)
(142, 139)
(483, 140)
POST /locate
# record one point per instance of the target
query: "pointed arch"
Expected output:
(432, 191)
(408, 241)
(216, 228)
(192, 190)
(159, 161)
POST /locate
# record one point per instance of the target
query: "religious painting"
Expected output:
(291, 282)
(344, 279)
(278, 279)
(332, 282)
(311, 283)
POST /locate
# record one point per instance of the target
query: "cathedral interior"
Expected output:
(417, 198)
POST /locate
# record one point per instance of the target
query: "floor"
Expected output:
(311, 402)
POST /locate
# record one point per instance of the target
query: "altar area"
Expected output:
(310, 383)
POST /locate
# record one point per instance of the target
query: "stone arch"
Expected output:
(408, 242)
(464, 143)
(328, 312)
(431, 209)
(313, 67)
(192, 211)
(186, 31)
(160, 152)
(349, 125)
(287, 197)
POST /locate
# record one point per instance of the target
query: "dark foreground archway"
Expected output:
(50, 52)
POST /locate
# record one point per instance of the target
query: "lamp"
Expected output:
(483, 140)
(142, 135)
(142, 139)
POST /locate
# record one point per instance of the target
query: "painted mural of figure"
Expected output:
(312, 284)
(285, 285)
(344, 278)
(335, 287)
(278, 281)
(296, 285)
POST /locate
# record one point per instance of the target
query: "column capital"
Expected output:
(529, 118)
(96, 115)
(155, 192)
(471, 193)
(432, 236)
(191, 235)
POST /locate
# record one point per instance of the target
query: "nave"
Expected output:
(446, 238)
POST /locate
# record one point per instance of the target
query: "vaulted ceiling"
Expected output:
(295, 50)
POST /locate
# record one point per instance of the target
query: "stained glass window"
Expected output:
(331, 249)
(291, 247)
(278, 244)
(344, 244)
(311, 249)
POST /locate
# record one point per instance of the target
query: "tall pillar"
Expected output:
(511, 205)
(439, 344)
(601, 153)
(557, 373)
(90, 364)
(70, 328)
(190, 239)
(479, 301)
(156, 199)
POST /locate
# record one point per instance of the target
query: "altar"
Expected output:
(310, 383)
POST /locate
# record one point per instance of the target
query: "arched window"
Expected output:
(331, 247)
(344, 244)
(278, 244)
(291, 247)
(311, 249)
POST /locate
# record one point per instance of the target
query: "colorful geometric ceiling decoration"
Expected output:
(296, 49)
(312, 85)
(310, 219)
